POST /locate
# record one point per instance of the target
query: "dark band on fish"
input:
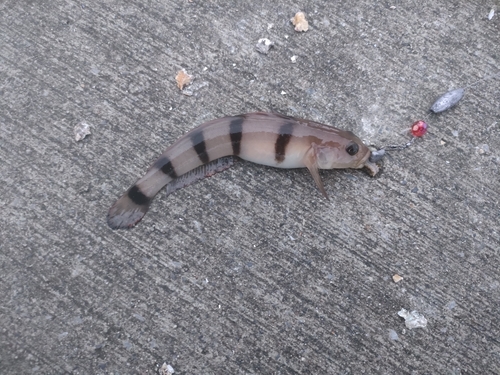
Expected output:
(236, 133)
(200, 147)
(137, 196)
(165, 165)
(282, 141)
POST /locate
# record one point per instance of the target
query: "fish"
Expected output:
(265, 138)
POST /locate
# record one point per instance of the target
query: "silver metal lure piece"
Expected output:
(377, 155)
(447, 100)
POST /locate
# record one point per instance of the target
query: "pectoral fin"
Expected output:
(311, 162)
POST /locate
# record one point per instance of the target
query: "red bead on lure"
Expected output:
(419, 128)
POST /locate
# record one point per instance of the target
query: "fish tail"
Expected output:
(129, 209)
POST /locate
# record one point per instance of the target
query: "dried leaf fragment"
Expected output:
(300, 22)
(183, 79)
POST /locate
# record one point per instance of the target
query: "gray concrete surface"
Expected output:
(251, 271)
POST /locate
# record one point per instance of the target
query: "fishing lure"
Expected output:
(449, 99)
(419, 128)
(264, 138)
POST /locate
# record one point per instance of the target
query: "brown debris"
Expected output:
(300, 22)
(183, 79)
(397, 278)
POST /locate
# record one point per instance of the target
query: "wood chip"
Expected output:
(300, 22)
(183, 79)
(397, 278)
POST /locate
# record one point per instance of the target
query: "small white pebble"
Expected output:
(283, 93)
(491, 14)
(413, 319)
(294, 59)
(166, 369)
(264, 45)
(81, 131)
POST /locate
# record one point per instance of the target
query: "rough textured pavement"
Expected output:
(250, 271)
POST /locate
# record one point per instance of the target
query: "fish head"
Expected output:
(344, 150)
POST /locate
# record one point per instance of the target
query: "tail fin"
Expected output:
(133, 205)
(129, 209)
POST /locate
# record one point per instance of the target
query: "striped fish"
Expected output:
(263, 138)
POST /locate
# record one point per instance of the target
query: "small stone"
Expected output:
(483, 149)
(413, 319)
(166, 369)
(397, 278)
(263, 46)
(294, 59)
(491, 14)
(81, 131)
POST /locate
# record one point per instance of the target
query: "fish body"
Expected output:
(264, 138)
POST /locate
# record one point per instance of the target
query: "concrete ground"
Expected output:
(250, 271)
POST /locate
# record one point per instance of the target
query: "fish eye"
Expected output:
(352, 149)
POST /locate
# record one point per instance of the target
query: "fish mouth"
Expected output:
(371, 167)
